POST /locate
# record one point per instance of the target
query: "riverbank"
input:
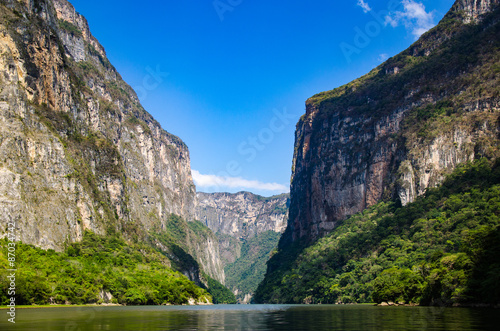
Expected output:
(463, 305)
(200, 303)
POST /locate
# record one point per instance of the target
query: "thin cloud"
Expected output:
(414, 17)
(364, 5)
(210, 181)
(382, 57)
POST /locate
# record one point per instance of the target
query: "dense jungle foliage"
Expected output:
(249, 269)
(443, 249)
(134, 274)
(182, 241)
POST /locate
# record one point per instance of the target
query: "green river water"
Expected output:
(253, 317)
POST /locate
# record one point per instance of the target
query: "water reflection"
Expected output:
(253, 317)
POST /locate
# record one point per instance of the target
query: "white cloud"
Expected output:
(208, 181)
(414, 17)
(382, 57)
(364, 5)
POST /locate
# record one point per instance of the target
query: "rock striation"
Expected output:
(247, 227)
(242, 215)
(473, 10)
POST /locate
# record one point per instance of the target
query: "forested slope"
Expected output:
(441, 249)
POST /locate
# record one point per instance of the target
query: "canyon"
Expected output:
(244, 223)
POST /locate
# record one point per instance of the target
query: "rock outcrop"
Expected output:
(398, 130)
(242, 215)
(247, 227)
(77, 150)
(473, 10)
(237, 217)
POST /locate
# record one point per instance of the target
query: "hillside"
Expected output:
(78, 152)
(98, 270)
(441, 249)
(373, 150)
(401, 128)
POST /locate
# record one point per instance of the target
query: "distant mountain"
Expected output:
(248, 227)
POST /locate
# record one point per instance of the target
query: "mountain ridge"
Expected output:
(248, 227)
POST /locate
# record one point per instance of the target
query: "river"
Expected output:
(252, 317)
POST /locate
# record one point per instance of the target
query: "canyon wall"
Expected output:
(401, 128)
(77, 150)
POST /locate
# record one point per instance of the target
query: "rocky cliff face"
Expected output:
(237, 217)
(473, 10)
(248, 227)
(242, 215)
(77, 150)
(396, 131)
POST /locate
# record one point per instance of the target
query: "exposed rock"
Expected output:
(473, 10)
(209, 258)
(240, 216)
(240, 220)
(387, 136)
(77, 150)
(247, 299)
(105, 296)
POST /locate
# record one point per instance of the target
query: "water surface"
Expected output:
(253, 317)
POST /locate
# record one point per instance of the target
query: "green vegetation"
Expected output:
(134, 121)
(454, 63)
(134, 274)
(247, 272)
(219, 293)
(70, 28)
(179, 240)
(102, 60)
(273, 197)
(441, 249)
(93, 159)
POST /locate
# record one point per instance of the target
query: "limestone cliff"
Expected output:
(472, 10)
(396, 131)
(239, 217)
(248, 227)
(242, 215)
(77, 150)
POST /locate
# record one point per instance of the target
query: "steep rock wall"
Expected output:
(61, 78)
(240, 216)
(247, 227)
(396, 131)
(243, 214)
(77, 150)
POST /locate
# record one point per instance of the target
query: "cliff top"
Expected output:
(462, 15)
(246, 193)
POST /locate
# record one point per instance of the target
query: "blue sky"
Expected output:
(230, 77)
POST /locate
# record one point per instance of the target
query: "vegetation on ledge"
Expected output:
(441, 249)
(219, 293)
